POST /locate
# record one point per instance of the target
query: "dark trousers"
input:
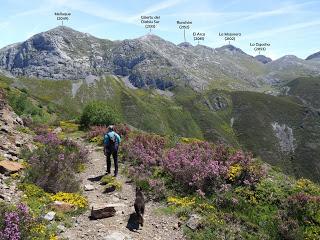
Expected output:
(114, 154)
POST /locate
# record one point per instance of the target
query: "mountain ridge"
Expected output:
(315, 56)
(147, 61)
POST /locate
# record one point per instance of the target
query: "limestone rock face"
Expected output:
(285, 137)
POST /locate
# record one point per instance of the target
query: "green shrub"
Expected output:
(99, 113)
(110, 181)
(24, 106)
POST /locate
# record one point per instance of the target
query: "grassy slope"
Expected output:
(188, 114)
(215, 125)
(307, 89)
(142, 109)
(254, 114)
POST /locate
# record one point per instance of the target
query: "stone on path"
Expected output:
(117, 236)
(88, 187)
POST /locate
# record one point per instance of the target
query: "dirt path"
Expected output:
(157, 226)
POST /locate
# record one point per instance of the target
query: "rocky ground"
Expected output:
(123, 225)
(11, 142)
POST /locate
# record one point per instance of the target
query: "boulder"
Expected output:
(10, 167)
(49, 216)
(19, 121)
(194, 222)
(88, 187)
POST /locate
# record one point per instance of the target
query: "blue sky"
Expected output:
(291, 27)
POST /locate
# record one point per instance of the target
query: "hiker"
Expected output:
(111, 143)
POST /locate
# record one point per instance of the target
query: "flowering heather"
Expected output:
(11, 230)
(145, 149)
(96, 131)
(123, 130)
(53, 164)
(16, 222)
(48, 138)
(195, 165)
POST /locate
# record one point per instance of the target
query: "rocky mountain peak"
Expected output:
(185, 45)
(263, 59)
(230, 49)
(315, 56)
(64, 53)
(150, 37)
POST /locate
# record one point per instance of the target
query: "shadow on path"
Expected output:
(133, 224)
(96, 179)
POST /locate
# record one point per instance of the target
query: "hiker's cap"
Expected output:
(111, 127)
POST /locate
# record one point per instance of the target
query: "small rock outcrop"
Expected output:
(194, 222)
(263, 59)
(285, 137)
(11, 140)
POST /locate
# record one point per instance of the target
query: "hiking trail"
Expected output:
(122, 226)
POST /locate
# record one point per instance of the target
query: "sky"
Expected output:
(290, 26)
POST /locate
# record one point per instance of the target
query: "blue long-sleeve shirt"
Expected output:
(109, 135)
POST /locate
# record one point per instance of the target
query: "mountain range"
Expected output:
(270, 108)
(149, 61)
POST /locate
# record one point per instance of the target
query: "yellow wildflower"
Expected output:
(183, 202)
(53, 237)
(39, 229)
(71, 198)
(234, 172)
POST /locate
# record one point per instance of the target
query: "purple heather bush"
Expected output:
(206, 167)
(145, 149)
(15, 222)
(96, 131)
(54, 163)
(11, 230)
(199, 166)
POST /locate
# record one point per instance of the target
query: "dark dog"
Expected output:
(139, 205)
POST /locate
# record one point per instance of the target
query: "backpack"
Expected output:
(112, 141)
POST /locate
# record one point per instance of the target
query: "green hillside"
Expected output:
(264, 124)
(307, 89)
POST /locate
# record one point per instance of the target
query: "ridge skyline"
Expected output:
(181, 44)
